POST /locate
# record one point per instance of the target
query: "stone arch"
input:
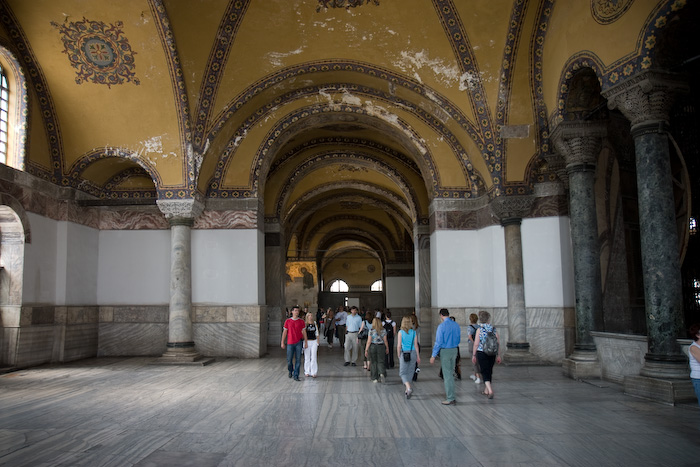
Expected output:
(14, 233)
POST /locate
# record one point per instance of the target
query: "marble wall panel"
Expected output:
(80, 341)
(547, 343)
(8, 344)
(35, 345)
(246, 314)
(210, 314)
(620, 355)
(227, 220)
(141, 314)
(243, 340)
(151, 219)
(132, 339)
(82, 315)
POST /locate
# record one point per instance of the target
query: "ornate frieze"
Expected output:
(646, 97)
(512, 207)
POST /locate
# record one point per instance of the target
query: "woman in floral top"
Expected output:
(377, 347)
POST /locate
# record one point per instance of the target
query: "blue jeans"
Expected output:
(696, 385)
(294, 351)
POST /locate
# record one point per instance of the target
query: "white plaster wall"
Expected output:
(400, 292)
(548, 262)
(39, 281)
(78, 254)
(134, 267)
(468, 268)
(228, 267)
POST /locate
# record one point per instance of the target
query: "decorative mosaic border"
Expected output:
(342, 217)
(624, 68)
(22, 113)
(216, 64)
(477, 184)
(607, 12)
(332, 157)
(48, 111)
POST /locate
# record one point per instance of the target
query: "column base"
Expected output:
(518, 354)
(667, 391)
(582, 364)
(182, 355)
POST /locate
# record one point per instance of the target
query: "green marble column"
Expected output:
(579, 143)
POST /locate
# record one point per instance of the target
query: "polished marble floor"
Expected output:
(123, 412)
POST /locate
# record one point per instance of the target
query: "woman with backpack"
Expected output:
(486, 350)
(471, 335)
(363, 335)
(407, 352)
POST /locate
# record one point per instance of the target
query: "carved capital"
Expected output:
(647, 96)
(557, 165)
(579, 142)
(181, 211)
(507, 208)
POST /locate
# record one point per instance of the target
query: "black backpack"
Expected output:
(389, 330)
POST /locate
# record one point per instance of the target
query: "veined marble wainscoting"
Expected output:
(620, 355)
(550, 331)
(51, 334)
(231, 331)
(133, 331)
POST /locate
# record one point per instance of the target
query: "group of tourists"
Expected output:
(374, 336)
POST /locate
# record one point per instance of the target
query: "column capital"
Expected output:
(579, 143)
(509, 209)
(181, 211)
(646, 97)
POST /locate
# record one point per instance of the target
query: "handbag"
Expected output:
(363, 334)
(407, 356)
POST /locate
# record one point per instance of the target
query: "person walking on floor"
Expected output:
(471, 334)
(447, 340)
(694, 358)
(407, 353)
(362, 337)
(330, 326)
(294, 338)
(353, 323)
(311, 350)
(390, 327)
(376, 349)
(479, 355)
(340, 319)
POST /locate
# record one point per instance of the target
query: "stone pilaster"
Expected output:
(579, 143)
(274, 282)
(510, 211)
(181, 214)
(645, 100)
(421, 243)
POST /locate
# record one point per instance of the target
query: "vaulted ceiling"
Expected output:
(345, 117)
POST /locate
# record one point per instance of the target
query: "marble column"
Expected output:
(421, 236)
(510, 211)
(579, 143)
(274, 282)
(646, 100)
(181, 214)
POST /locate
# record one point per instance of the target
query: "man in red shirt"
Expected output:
(294, 332)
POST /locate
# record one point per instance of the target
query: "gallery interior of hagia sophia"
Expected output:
(176, 174)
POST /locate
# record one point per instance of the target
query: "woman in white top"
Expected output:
(694, 358)
(311, 351)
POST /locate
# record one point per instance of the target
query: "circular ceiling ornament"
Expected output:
(98, 51)
(609, 11)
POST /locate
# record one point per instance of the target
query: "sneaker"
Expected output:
(449, 402)
(477, 380)
(408, 393)
(296, 378)
(382, 378)
(472, 377)
(346, 363)
(354, 364)
(374, 380)
(290, 375)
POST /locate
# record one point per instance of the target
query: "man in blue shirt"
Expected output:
(352, 347)
(446, 344)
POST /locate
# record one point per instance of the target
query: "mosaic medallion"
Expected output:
(608, 11)
(98, 51)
